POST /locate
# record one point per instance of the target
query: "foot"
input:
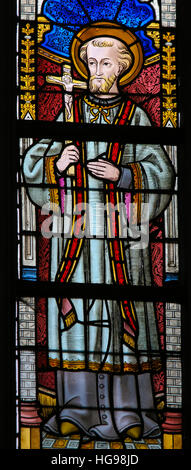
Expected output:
(67, 428)
(134, 432)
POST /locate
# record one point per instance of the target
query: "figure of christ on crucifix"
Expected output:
(68, 84)
(105, 352)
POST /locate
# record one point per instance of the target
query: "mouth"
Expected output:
(98, 79)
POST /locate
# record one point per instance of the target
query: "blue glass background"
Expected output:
(130, 13)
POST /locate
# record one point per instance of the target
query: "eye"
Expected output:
(91, 62)
(107, 63)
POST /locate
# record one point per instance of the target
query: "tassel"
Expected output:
(70, 319)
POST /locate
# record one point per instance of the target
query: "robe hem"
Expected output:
(153, 366)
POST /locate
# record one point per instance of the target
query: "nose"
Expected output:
(99, 69)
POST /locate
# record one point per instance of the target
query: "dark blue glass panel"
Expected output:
(146, 43)
(58, 41)
(135, 14)
(131, 13)
(65, 11)
(171, 277)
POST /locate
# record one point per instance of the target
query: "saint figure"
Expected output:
(105, 351)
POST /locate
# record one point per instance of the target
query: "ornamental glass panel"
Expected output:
(98, 331)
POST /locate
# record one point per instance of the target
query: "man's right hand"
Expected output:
(69, 156)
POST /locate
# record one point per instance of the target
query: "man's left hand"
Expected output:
(104, 170)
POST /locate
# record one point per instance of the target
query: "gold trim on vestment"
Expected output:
(50, 175)
(137, 197)
(153, 365)
(128, 340)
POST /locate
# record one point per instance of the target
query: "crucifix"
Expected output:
(68, 84)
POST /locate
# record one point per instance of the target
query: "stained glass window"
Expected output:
(98, 322)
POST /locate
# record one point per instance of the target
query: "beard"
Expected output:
(102, 87)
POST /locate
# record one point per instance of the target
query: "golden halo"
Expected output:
(110, 29)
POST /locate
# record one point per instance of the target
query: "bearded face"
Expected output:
(103, 85)
(104, 68)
